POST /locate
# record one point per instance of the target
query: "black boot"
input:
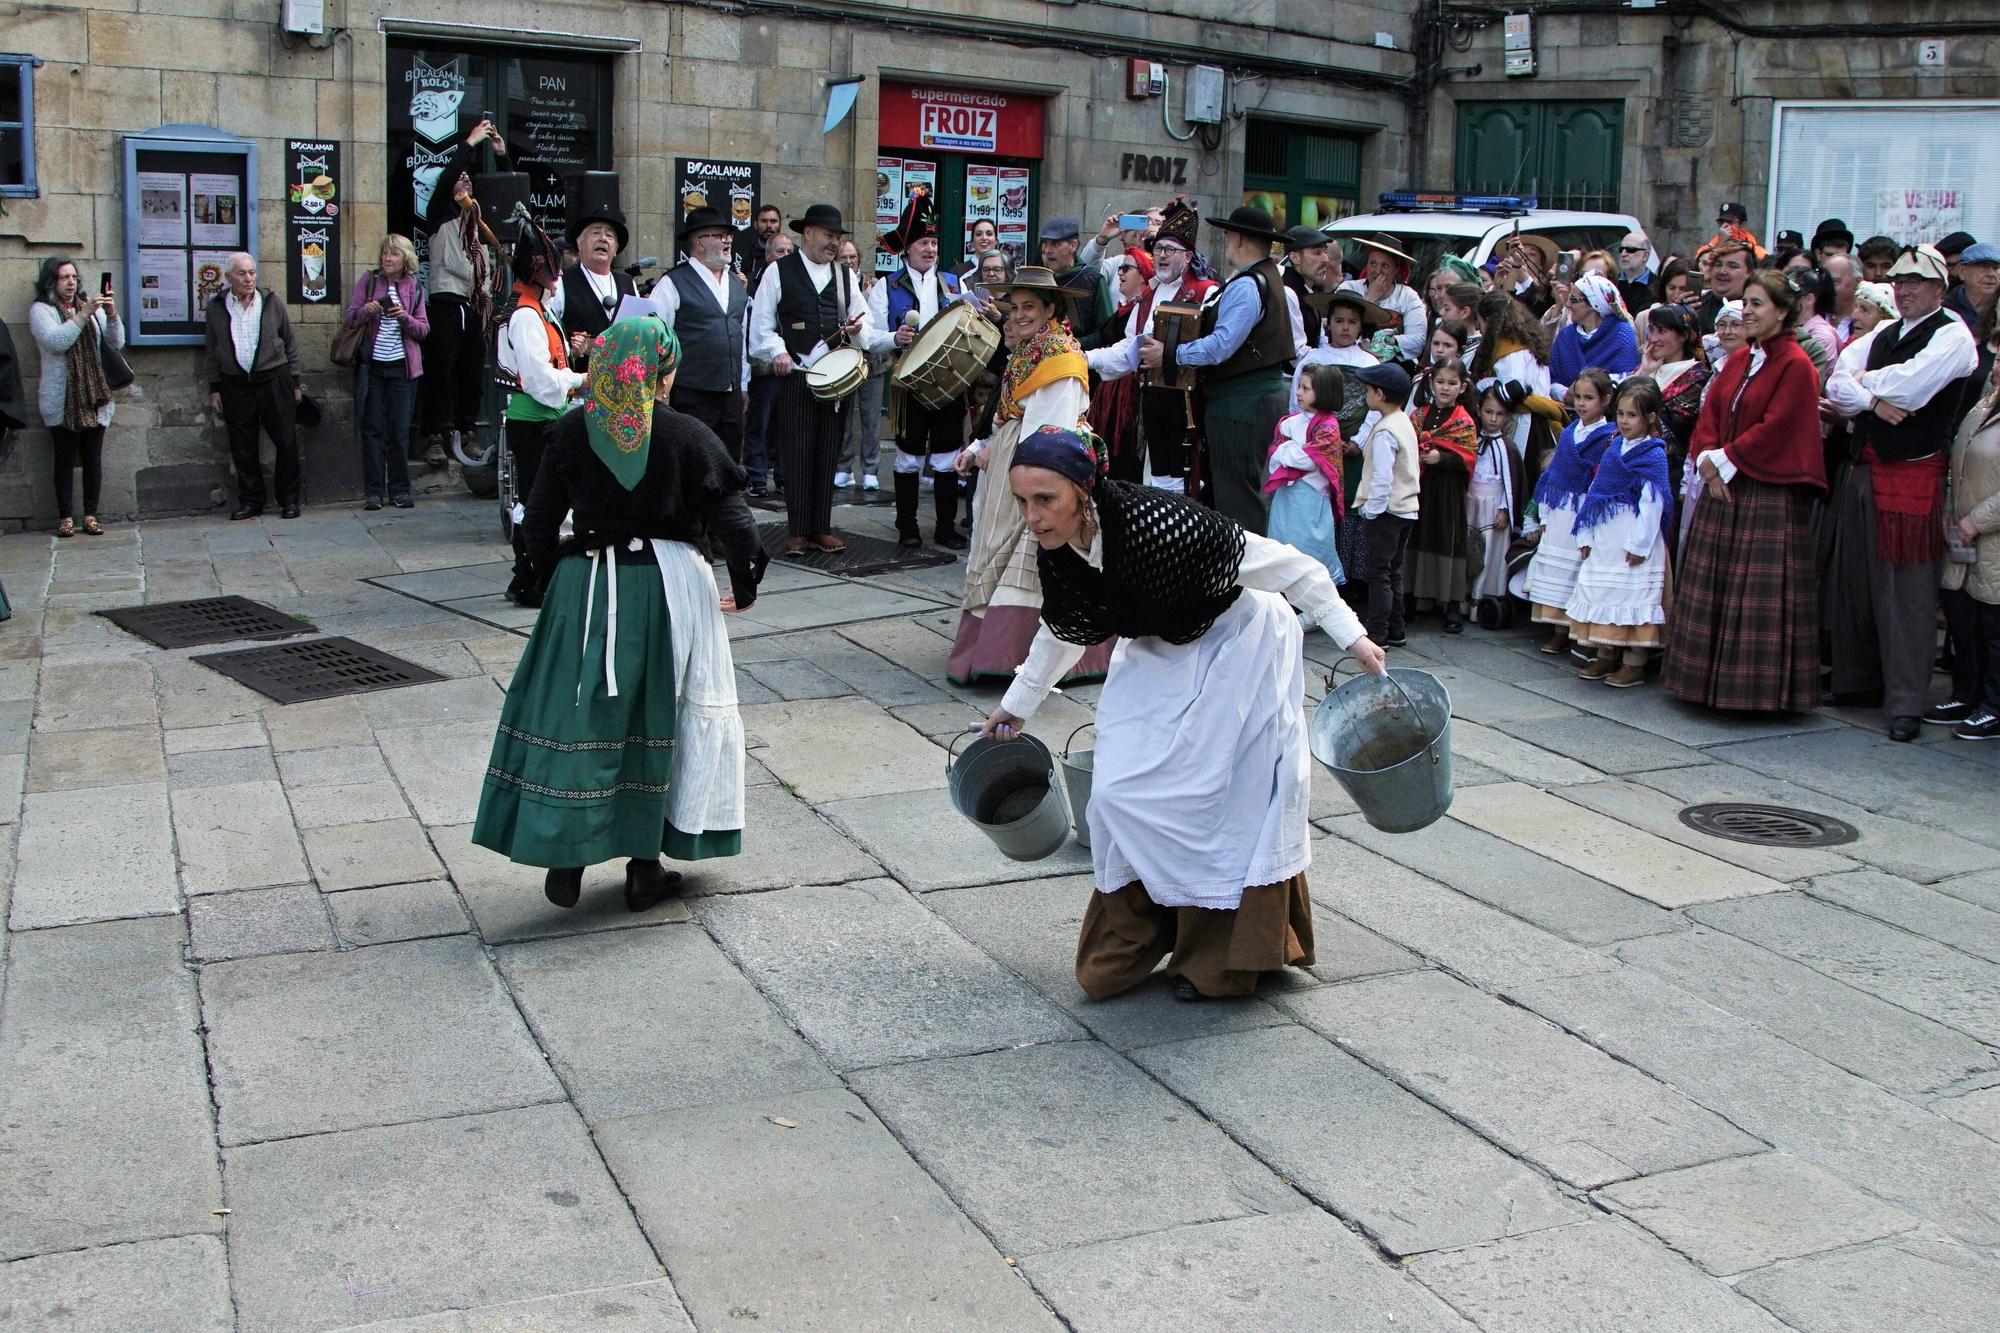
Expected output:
(907, 486)
(563, 886)
(646, 883)
(945, 486)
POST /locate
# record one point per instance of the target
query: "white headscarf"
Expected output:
(1730, 310)
(1602, 294)
(1880, 295)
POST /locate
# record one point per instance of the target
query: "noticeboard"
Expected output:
(190, 201)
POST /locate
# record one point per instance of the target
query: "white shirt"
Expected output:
(766, 343)
(524, 349)
(1405, 302)
(245, 323)
(1950, 354)
(1397, 428)
(1122, 357)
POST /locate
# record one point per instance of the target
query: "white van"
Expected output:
(1470, 226)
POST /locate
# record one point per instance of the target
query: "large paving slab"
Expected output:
(1925, 783)
(802, 1211)
(1604, 1275)
(1659, 871)
(94, 854)
(1652, 811)
(391, 912)
(1410, 1176)
(870, 976)
(1072, 1145)
(180, 1283)
(654, 1020)
(635, 1307)
(506, 899)
(1926, 911)
(785, 842)
(1650, 708)
(1730, 1217)
(110, 757)
(361, 855)
(90, 695)
(1515, 880)
(310, 1043)
(874, 755)
(441, 767)
(1979, 1110)
(291, 919)
(104, 1123)
(923, 841)
(1795, 1101)
(1611, 747)
(1908, 1284)
(1528, 1086)
(1297, 1270)
(236, 836)
(1892, 1046)
(374, 1224)
(1518, 759)
(1921, 975)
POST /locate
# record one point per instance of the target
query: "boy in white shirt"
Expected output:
(1388, 500)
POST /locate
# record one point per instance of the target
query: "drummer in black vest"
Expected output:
(705, 304)
(806, 303)
(897, 308)
(592, 289)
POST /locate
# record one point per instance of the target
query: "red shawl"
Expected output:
(1455, 435)
(1322, 446)
(1768, 425)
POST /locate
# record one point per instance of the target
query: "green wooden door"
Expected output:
(1301, 176)
(1567, 154)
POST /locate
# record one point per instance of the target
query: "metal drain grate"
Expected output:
(863, 556)
(206, 620)
(295, 673)
(1768, 825)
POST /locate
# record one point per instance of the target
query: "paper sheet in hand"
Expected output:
(631, 307)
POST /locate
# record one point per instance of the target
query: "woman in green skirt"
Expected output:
(620, 736)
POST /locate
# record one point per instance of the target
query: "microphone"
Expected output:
(635, 269)
(912, 319)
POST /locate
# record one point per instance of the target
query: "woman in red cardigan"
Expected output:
(1744, 629)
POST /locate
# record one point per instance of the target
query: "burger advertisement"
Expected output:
(312, 220)
(730, 188)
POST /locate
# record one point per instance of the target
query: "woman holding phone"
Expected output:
(388, 302)
(72, 330)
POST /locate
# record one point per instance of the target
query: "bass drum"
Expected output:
(948, 357)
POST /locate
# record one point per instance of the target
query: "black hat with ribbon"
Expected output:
(919, 220)
(593, 197)
(823, 216)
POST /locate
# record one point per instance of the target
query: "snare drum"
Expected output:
(948, 356)
(837, 374)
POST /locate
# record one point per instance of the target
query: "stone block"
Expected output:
(115, 756)
(877, 754)
(178, 41)
(1978, 1110)
(1922, 783)
(257, 921)
(312, 1043)
(1730, 1217)
(98, 96)
(1295, 1270)
(1516, 758)
(1611, 747)
(506, 899)
(180, 1283)
(94, 854)
(927, 844)
(1653, 812)
(1059, 1129)
(360, 803)
(394, 912)
(796, 680)
(1932, 913)
(238, 836)
(187, 97)
(640, 1307)
(870, 977)
(1530, 1087)
(736, 1198)
(714, 83)
(98, 1039)
(1603, 1274)
(191, 695)
(440, 768)
(1909, 1283)
(1275, 1091)
(13, 774)
(229, 736)
(476, 700)
(319, 725)
(178, 488)
(354, 856)
(376, 1224)
(221, 768)
(96, 695)
(689, 1029)
(1664, 715)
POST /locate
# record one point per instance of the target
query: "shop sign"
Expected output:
(961, 120)
(731, 188)
(961, 129)
(312, 223)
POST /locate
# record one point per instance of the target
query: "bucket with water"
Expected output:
(1008, 788)
(1388, 743)
(1077, 766)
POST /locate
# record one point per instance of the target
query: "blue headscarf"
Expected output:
(1061, 451)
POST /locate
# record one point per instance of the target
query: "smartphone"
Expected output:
(104, 283)
(1565, 266)
(1133, 222)
(489, 118)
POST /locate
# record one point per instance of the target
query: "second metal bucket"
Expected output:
(1388, 742)
(1008, 788)
(1077, 768)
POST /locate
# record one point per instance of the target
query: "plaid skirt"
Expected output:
(1744, 632)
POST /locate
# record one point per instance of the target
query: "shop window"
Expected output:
(17, 127)
(1301, 175)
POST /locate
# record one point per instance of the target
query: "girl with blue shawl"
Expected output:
(1619, 605)
(1551, 516)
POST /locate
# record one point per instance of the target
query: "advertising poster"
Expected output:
(217, 213)
(1012, 184)
(731, 188)
(982, 199)
(163, 286)
(312, 221)
(1919, 217)
(211, 268)
(162, 208)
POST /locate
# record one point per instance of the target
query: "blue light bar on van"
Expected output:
(1437, 201)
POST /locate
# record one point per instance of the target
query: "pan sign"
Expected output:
(963, 129)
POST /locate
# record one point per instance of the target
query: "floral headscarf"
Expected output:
(1602, 295)
(626, 363)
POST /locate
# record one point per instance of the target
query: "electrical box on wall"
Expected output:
(1144, 78)
(1204, 95)
(307, 16)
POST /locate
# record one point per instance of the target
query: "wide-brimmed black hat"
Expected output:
(593, 197)
(702, 219)
(1249, 220)
(1832, 229)
(1387, 244)
(824, 216)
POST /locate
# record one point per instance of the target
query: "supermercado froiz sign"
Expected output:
(961, 120)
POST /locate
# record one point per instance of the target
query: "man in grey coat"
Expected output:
(254, 380)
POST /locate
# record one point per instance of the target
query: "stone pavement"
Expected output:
(281, 1050)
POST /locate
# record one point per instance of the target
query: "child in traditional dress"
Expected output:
(1305, 463)
(1347, 316)
(1492, 500)
(1552, 515)
(1446, 439)
(1388, 500)
(1619, 604)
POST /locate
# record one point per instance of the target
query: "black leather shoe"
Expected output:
(648, 883)
(1905, 728)
(1184, 990)
(564, 886)
(951, 541)
(405, 503)
(247, 511)
(289, 511)
(371, 504)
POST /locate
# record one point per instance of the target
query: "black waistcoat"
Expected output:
(1929, 428)
(807, 315)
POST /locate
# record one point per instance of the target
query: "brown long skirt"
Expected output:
(1223, 952)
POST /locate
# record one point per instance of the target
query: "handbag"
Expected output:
(117, 370)
(347, 342)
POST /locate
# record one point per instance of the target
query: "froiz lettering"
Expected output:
(1161, 170)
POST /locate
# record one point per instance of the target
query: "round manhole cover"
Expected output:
(1768, 825)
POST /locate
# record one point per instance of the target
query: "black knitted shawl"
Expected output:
(1170, 569)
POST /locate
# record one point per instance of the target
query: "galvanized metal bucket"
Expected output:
(1388, 743)
(1077, 767)
(1008, 789)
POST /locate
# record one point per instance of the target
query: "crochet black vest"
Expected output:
(1929, 428)
(1170, 569)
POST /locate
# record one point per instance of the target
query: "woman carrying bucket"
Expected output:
(1198, 831)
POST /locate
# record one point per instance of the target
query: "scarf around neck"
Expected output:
(1624, 478)
(85, 391)
(1566, 480)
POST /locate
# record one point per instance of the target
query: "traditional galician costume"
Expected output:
(1440, 544)
(1617, 607)
(925, 436)
(620, 736)
(1046, 384)
(1495, 489)
(532, 365)
(592, 290)
(1561, 488)
(707, 309)
(1198, 830)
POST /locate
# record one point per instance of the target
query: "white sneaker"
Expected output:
(871, 482)
(842, 480)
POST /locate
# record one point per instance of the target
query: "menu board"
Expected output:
(1011, 184)
(312, 221)
(189, 205)
(731, 188)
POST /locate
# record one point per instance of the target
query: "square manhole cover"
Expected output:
(206, 620)
(294, 673)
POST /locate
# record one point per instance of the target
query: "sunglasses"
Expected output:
(1631, 249)
(1128, 268)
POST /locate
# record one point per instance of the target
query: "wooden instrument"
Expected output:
(1174, 325)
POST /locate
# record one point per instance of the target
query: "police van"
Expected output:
(1472, 226)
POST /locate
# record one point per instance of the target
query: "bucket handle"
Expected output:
(951, 746)
(1073, 735)
(1388, 676)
